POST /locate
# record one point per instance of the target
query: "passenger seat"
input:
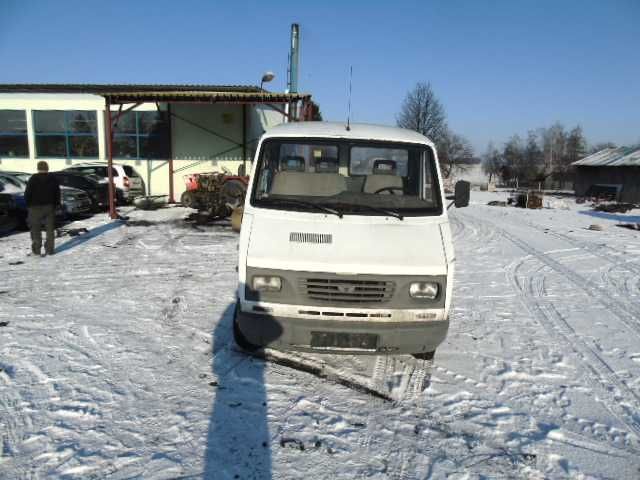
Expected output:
(383, 176)
(292, 180)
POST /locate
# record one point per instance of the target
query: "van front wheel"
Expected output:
(239, 337)
(425, 355)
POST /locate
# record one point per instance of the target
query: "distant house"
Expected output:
(612, 169)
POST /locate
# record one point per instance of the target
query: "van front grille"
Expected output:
(347, 290)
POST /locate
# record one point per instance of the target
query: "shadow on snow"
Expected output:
(93, 233)
(617, 217)
(238, 441)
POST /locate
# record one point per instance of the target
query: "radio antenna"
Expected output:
(349, 99)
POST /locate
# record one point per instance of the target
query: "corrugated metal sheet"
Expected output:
(111, 88)
(203, 96)
(128, 93)
(612, 157)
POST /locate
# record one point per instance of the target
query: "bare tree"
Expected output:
(422, 111)
(513, 156)
(454, 153)
(532, 167)
(601, 146)
(492, 162)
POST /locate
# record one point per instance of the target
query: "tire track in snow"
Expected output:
(596, 250)
(581, 431)
(627, 313)
(522, 406)
(599, 372)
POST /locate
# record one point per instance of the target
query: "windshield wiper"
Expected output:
(391, 213)
(290, 201)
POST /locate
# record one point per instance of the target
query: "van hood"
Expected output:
(351, 245)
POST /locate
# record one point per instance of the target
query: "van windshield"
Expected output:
(348, 177)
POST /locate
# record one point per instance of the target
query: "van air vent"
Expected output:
(301, 237)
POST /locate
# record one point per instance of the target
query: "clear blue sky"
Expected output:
(499, 67)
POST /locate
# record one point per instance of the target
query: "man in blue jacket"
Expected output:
(42, 196)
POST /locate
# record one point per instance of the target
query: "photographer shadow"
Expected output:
(238, 439)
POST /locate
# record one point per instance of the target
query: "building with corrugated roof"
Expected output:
(164, 131)
(612, 169)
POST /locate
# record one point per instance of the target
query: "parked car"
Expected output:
(345, 244)
(7, 221)
(73, 202)
(13, 192)
(125, 178)
(97, 189)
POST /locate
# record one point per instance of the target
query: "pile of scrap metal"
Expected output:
(526, 199)
(150, 202)
(216, 193)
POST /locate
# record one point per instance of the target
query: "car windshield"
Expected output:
(129, 171)
(350, 177)
(13, 180)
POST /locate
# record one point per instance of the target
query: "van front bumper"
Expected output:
(295, 333)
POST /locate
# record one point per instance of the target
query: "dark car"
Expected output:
(7, 221)
(126, 179)
(97, 190)
(13, 204)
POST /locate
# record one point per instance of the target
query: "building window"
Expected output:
(66, 134)
(141, 135)
(13, 134)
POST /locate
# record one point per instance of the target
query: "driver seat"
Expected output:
(383, 176)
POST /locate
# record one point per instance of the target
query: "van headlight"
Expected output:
(266, 284)
(426, 290)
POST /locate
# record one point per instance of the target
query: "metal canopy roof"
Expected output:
(134, 96)
(612, 157)
(140, 93)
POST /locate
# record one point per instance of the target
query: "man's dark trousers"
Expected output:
(39, 214)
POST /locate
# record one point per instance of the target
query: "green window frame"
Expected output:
(14, 140)
(65, 133)
(141, 135)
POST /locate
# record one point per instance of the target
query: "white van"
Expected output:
(345, 244)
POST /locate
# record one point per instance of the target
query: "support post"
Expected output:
(171, 193)
(244, 139)
(112, 191)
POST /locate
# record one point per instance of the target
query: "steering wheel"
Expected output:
(389, 189)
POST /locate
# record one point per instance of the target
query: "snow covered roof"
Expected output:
(612, 157)
(357, 131)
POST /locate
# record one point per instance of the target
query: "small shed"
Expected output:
(613, 169)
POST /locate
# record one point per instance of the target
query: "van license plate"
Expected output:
(359, 341)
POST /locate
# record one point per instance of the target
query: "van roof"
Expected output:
(360, 131)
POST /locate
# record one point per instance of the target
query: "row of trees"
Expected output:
(422, 111)
(545, 153)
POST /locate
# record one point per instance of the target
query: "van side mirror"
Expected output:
(462, 194)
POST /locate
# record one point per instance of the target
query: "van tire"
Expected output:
(239, 337)
(425, 355)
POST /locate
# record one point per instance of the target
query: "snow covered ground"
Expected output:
(117, 362)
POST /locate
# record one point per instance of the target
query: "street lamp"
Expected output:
(267, 77)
